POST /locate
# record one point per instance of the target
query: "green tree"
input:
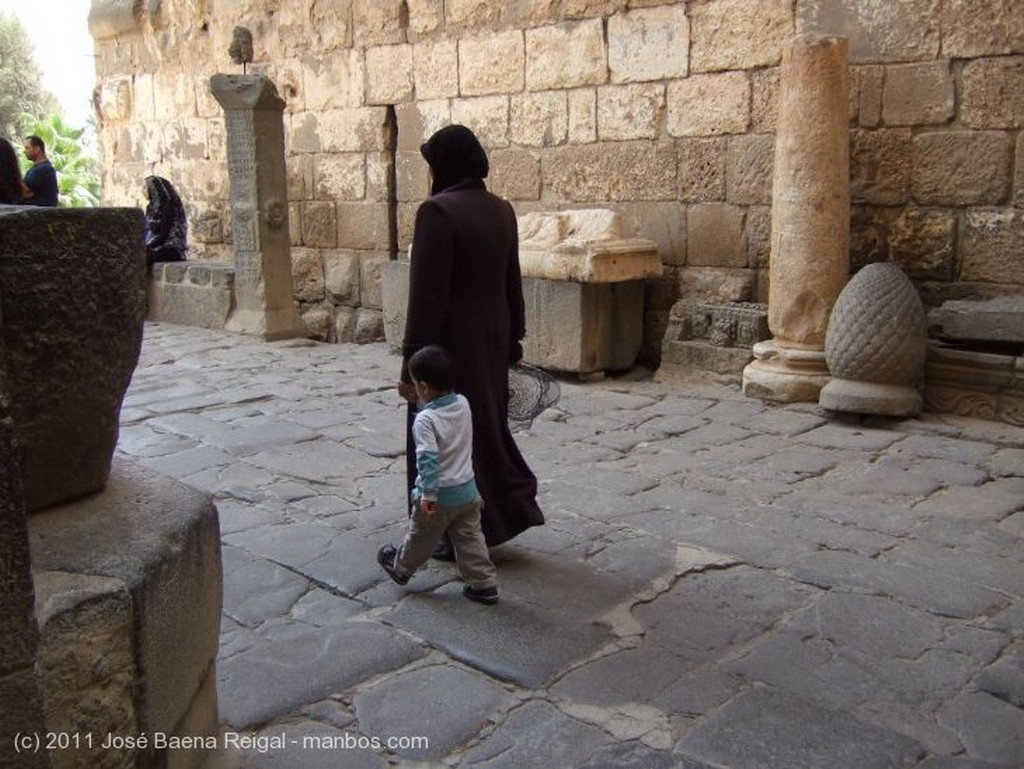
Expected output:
(20, 90)
(78, 180)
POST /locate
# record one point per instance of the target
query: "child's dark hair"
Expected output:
(434, 366)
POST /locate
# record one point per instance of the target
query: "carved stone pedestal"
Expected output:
(786, 374)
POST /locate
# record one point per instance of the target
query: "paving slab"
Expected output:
(769, 728)
(274, 678)
(256, 589)
(636, 755)
(990, 728)
(313, 745)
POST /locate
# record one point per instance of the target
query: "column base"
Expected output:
(786, 374)
(871, 398)
(270, 325)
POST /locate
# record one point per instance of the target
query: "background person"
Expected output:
(10, 174)
(39, 186)
(466, 295)
(166, 223)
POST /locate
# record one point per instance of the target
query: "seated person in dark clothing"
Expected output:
(39, 187)
(10, 174)
(166, 223)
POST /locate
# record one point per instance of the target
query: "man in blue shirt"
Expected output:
(40, 182)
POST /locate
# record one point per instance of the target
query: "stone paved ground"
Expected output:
(721, 582)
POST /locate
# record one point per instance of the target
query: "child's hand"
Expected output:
(428, 506)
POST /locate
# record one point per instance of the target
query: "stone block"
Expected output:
(716, 284)
(702, 173)
(764, 100)
(881, 168)
(341, 276)
(992, 93)
(708, 105)
(486, 116)
(716, 236)
(759, 235)
(337, 176)
(974, 384)
(187, 302)
(704, 337)
(345, 325)
(333, 82)
(378, 23)
(351, 130)
(581, 9)
(369, 326)
(918, 94)
(69, 354)
(319, 223)
(435, 67)
(394, 278)
(971, 29)
(318, 323)
(630, 171)
(515, 174)
(491, 64)
(739, 34)
(363, 226)
(866, 89)
(115, 99)
(582, 327)
(174, 95)
(649, 44)
(471, 14)
(161, 540)
(991, 243)
(389, 74)
(582, 115)
(86, 663)
(413, 176)
(962, 168)
(539, 119)
(566, 56)
(906, 31)
(425, 17)
(627, 112)
(370, 291)
(307, 274)
(923, 242)
(749, 163)
(993, 320)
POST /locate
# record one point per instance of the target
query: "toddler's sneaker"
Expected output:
(386, 558)
(488, 595)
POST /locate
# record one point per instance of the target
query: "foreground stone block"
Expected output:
(69, 351)
(995, 320)
(707, 337)
(191, 293)
(157, 542)
(975, 384)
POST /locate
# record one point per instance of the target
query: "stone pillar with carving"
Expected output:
(264, 293)
(810, 220)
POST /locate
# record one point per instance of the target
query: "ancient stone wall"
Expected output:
(662, 111)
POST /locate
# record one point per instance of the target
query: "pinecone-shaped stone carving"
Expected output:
(876, 344)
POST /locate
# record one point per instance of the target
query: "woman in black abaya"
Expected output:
(465, 293)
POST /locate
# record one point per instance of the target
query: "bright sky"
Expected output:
(62, 50)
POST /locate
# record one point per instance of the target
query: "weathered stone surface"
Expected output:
(341, 276)
(486, 116)
(990, 244)
(962, 168)
(492, 64)
(708, 105)
(716, 236)
(176, 293)
(515, 174)
(423, 696)
(749, 163)
(621, 171)
(738, 34)
(636, 755)
(306, 668)
(318, 224)
(713, 284)
(565, 56)
(436, 69)
(992, 93)
(923, 242)
(627, 112)
(998, 320)
(389, 74)
(989, 728)
(307, 274)
(362, 226)
(539, 119)
(333, 82)
(702, 170)
(764, 98)
(582, 115)
(649, 44)
(377, 23)
(69, 360)
(907, 32)
(339, 176)
(161, 539)
(982, 29)
(918, 94)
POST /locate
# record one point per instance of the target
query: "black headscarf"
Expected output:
(166, 223)
(454, 153)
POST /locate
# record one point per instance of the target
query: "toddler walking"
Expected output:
(445, 497)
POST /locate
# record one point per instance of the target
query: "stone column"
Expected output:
(810, 221)
(264, 294)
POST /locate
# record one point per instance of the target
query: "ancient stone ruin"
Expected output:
(114, 569)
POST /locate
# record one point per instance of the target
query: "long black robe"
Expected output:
(466, 294)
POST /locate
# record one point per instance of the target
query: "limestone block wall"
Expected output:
(662, 111)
